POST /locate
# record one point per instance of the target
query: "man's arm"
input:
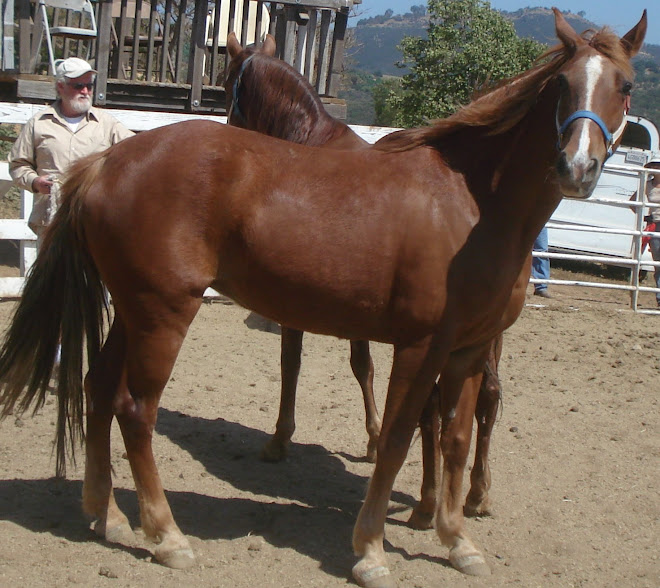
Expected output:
(22, 160)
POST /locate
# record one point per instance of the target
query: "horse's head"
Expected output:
(594, 96)
(239, 59)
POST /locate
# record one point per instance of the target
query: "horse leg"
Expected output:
(429, 425)
(277, 447)
(363, 370)
(104, 383)
(153, 339)
(410, 384)
(459, 386)
(477, 501)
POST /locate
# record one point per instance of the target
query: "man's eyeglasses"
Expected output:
(79, 87)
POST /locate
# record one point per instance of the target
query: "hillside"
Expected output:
(373, 53)
(376, 40)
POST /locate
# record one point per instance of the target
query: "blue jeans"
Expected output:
(541, 265)
(654, 246)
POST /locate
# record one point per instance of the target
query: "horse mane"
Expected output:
(503, 106)
(284, 104)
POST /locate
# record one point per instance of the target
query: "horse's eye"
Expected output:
(563, 82)
(627, 88)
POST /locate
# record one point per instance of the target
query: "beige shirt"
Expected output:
(47, 146)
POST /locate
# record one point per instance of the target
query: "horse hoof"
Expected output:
(478, 509)
(372, 452)
(178, 559)
(122, 534)
(273, 452)
(375, 577)
(471, 564)
(420, 520)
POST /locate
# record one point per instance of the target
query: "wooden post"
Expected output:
(289, 49)
(165, 49)
(197, 55)
(311, 43)
(183, 5)
(322, 61)
(103, 45)
(337, 53)
(8, 35)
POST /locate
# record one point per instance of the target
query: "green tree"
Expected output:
(468, 47)
(385, 116)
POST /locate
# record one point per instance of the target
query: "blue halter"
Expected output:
(235, 109)
(609, 139)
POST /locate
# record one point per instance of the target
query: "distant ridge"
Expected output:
(374, 54)
(377, 39)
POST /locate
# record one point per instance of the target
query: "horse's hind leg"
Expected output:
(104, 384)
(429, 426)
(363, 370)
(154, 336)
(477, 501)
(277, 447)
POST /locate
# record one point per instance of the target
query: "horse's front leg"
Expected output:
(104, 385)
(291, 346)
(477, 502)
(413, 374)
(459, 386)
(152, 348)
(363, 370)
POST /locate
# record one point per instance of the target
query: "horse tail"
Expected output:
(63, 301)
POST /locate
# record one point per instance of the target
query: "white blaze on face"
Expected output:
(594, 69)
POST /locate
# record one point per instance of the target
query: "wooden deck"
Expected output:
(179, 60)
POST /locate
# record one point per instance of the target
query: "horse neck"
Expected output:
(293, 111)
(511, 176)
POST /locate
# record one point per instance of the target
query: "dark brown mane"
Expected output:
(504, 106)
(281, 103)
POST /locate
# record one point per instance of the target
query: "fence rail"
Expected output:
(635, 262)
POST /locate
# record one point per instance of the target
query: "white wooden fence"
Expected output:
(17, 229)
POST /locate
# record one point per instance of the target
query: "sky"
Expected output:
(620, 15)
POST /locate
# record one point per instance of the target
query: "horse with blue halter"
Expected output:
(376, 245)
(267, 95)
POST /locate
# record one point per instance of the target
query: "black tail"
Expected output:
(63, 301)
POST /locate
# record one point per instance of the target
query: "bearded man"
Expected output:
(57, 136)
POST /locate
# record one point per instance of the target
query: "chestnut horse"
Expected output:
(379, 245)
(267, 95)
(272, 98)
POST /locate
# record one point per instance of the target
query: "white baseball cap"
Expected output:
(72, 68)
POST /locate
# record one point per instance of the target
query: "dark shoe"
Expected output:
(543, 293)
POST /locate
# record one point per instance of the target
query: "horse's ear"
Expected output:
(233, 46)
(269, 47)
(633, 39)
(565, 32)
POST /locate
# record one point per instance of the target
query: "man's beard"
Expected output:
(81, 105)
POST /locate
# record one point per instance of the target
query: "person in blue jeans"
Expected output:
(541, 265)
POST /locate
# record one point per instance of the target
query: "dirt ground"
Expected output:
(575, 459)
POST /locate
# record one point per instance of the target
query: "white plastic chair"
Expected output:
(84, 7)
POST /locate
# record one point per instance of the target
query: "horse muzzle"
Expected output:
(578, 176)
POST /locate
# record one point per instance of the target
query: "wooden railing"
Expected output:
(171, 54)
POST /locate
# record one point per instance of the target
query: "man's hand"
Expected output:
(42, 184)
